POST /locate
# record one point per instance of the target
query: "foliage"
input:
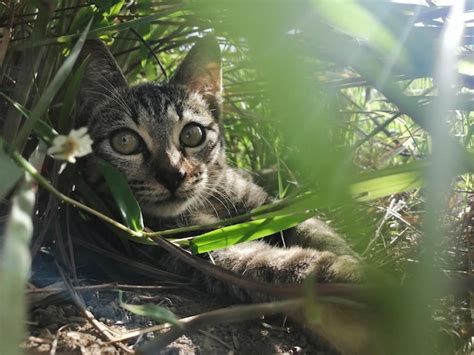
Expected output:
(347, 114)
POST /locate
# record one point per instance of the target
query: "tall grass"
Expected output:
(351, 108)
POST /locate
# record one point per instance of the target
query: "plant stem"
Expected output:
(224, 315)
(18, 158)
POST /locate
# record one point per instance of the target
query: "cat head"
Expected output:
(164, 138)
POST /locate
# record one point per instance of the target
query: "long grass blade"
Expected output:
(48, 96)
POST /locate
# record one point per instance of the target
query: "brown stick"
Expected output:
(224, 315)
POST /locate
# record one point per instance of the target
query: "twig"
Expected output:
(150, 50)
(39, 340)
(224, 315)
(107, 286)
(102, 328)
(215, 338)
(140, 332)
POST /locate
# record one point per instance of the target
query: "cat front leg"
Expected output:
(341, 263)
(263, 262)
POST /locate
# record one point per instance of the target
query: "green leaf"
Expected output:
(155, 312)
(361, 24)
(51, 91)
(389, 181)
(238, 233)
(64, 123)
(82, 18)
(110, 8)
(44, 131)
(128, 205)
(11, 173)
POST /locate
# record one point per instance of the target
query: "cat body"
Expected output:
(167, 141)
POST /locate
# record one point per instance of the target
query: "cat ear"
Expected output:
(201, 68)
(102, 75)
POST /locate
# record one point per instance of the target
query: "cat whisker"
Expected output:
(113, 91)
(113, 97)
(215, 193)
(208, 203)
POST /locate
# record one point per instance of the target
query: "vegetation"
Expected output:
(357, 110)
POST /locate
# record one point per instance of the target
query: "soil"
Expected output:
(58, 326)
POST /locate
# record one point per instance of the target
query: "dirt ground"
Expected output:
(58, 326)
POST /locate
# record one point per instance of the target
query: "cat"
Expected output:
(167, 140)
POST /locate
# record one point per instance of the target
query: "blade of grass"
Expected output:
(155, 312)
(225, 315)
(65, 125)
(128, 205)
(48, 96)
(28, 66)
(41, 128)
(389, 181)
(238, 233)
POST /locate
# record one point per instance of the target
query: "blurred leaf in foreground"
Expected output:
(15, 263)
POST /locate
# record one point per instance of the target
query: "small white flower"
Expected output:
(75, 145)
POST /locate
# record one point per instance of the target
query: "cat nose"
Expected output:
(171, 178)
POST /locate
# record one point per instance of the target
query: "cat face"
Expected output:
(165, 139)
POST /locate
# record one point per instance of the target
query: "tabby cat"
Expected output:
(167, 141)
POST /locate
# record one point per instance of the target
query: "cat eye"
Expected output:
(192, 135)
(126, 142)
